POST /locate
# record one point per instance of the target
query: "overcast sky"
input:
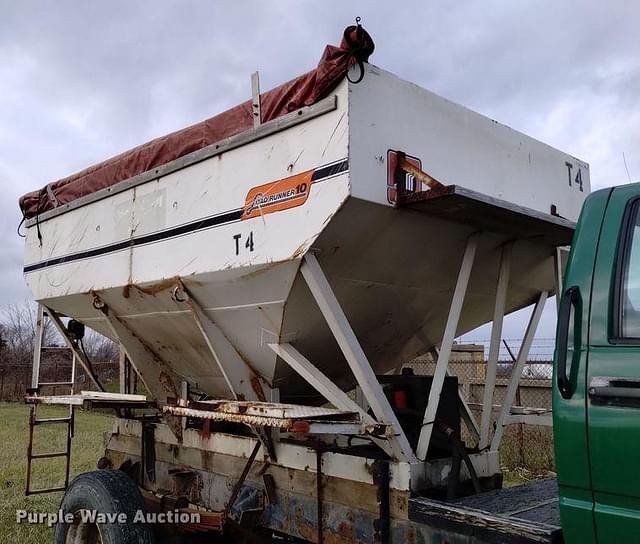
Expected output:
(81, 81)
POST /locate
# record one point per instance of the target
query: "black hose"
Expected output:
(360, 47)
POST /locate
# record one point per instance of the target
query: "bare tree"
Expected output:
(18, 324)
(18, 331)
(98, 347)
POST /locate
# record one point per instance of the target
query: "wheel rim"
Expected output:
(81, 532)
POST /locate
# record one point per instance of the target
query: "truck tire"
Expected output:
(107, 492)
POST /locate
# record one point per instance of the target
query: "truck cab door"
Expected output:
(570, 377)
(613, 372)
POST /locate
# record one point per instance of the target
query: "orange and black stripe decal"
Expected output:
(288, 192)
(251, 209)
(278, 195)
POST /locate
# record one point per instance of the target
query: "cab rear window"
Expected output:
(627, 320)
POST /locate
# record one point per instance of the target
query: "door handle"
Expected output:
(569, 301)
(615, 391)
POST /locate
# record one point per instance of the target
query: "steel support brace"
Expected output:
(73, 346)
(158, 377)
(318, 380)
(319, 494)
(516, 374)
(37, 347)
(445, 348)
(240, 378)
(243, 382)
(466, 414)
(323, 385)
(494, 346)
(559, 260)
(382, 526)
(353, 353)
(240, 482)
(123, 372)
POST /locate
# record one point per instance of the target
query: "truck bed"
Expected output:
(522, 514)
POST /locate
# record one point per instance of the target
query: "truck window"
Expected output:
(629, 290)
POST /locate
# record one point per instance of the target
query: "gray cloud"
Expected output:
(81, 81)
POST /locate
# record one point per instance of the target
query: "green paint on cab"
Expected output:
(596, 395)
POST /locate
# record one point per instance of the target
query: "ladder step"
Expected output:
(33, 393)
(46, 490)
(52, 420)
(49, 455)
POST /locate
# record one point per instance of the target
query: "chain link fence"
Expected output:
(16, 378)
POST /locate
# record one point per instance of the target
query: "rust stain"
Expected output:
(254, 420)
(300, 251)
(160, 286)
(205, 432)
(258, 272)
(167, 382)
(257, 387)
(204, 458)
(346, 533)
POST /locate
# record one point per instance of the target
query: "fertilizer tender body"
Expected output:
(268, 286)
(233, 221)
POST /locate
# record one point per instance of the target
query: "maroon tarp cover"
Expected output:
(302, 91)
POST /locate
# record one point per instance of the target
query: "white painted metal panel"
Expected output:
(456, 146)
(215, 186)
(240, 268)
(391, 270)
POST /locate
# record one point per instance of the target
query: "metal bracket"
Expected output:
(353, 353)
(243, 476)
(323, 385)
(148, 454)
(158, 377)
(318, 380)
(242, 380)
(446, 345)
(255, 99)
(516, 373)
(494, 346)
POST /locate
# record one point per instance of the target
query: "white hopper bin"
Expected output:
(196, 269)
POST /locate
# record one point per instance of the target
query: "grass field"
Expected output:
(87, 447)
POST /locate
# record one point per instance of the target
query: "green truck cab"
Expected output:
(596, 393)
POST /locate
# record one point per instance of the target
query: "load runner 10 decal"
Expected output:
(288, 192)
(278, 195)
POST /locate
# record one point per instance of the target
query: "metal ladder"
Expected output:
(34, 421)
